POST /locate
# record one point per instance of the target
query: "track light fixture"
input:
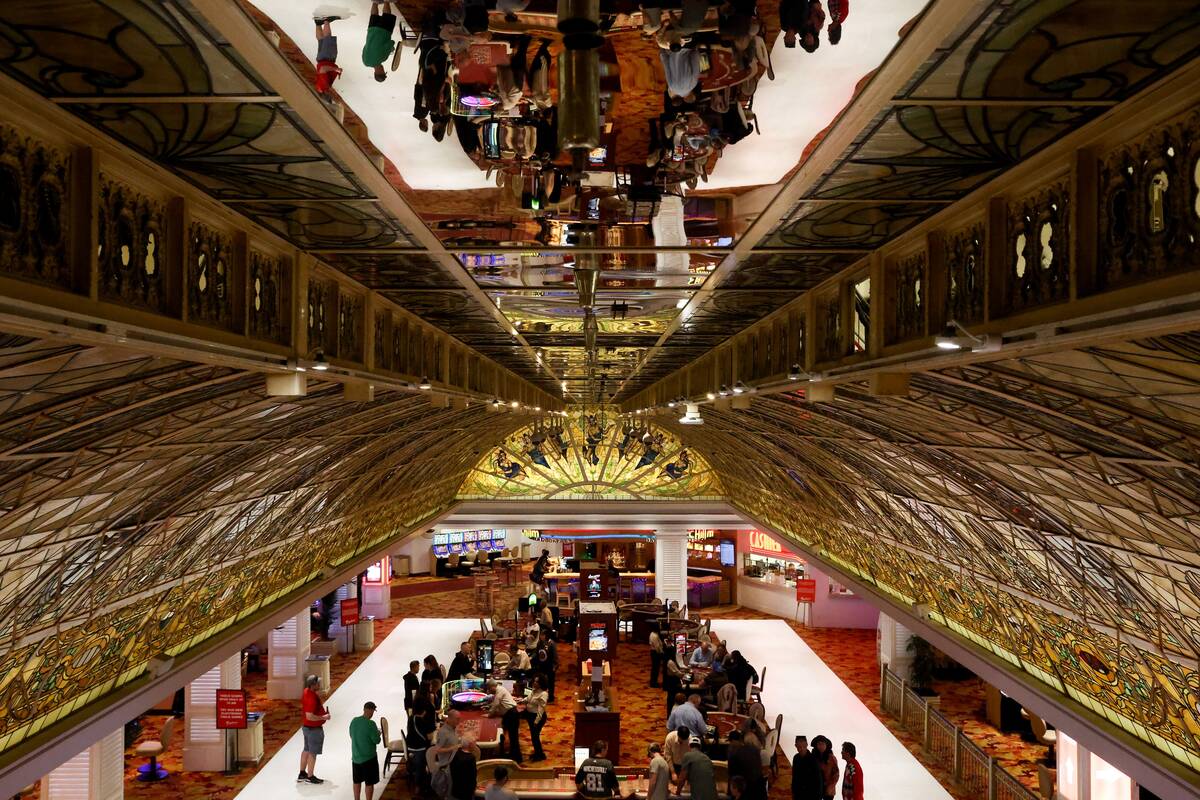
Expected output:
(711, 396)
(955, 337)
(425, 384)
(739, 388)
(724, 392)
(319, 362)
(692, 415)
(794, 373)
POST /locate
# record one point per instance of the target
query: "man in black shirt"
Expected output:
(746, 760)
(807, 781)
(596, 776)
(462, 665)
(463, 772)
(412, 682)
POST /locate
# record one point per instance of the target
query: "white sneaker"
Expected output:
(326, 10)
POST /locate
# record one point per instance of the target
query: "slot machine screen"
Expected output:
(469, 536)
(498, 544)
(441, 538)
(456, 538)
(598, 638)
(484, 654)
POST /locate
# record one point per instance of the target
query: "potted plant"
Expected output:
(921, 669)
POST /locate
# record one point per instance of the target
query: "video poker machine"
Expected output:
(597, 631)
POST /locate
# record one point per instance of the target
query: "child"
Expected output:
(327, 68)
(379, 43)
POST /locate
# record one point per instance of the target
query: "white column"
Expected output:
(670, 565)
(203, 744)
(377, 597)
(1071, 763)
(287, 648)
(98, 773)
(893, 646)
(337, 631)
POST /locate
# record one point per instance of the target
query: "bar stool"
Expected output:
(625, 590)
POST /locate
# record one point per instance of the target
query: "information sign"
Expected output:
(349, 612)
(231, 709)
(806, 590)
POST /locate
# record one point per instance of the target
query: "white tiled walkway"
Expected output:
(814, 700)
(377, 679)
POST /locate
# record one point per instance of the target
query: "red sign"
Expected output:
(231, 709)
(806, 590)
(764, 544)
(349, 612)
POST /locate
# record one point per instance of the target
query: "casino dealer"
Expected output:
(505, 707)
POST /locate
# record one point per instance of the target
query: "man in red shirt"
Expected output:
(327, 51)
(852, 777)
(313, 715)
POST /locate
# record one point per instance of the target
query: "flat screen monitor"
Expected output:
(581, 755)
(484, 654)
(572, 565)
(375, 573)
(497, 544)
(440, 538)
(456, 538)
(727, 554)
(440, 550)
(469, 536)
(594, 589)
(598, 638)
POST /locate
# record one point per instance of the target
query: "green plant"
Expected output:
(924, 661)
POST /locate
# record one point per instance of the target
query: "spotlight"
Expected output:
(955, 337)
(724, 391)
(681, 302)
(794, 373)
(711, 396)
(424, 384)
(515, 404)
(692, 415)
(495, 403)
(670, 404)
(319, 362)
(739, 388)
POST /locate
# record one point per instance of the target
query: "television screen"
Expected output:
(593, 586)
(598, 639)
(484, 654)
(727, 554)
(375, 573)
(581, 755)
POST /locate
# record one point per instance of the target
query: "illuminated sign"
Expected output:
(699, 535)
(761, 541)
(531, 534)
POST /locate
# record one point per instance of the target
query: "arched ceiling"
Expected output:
(1047, 507)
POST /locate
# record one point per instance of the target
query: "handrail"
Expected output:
(971, 767)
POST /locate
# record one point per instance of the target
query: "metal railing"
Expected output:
(973, 770)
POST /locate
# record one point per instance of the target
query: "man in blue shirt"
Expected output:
(702, 656)
(688, 715)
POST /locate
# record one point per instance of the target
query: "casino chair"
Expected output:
(754, 693)
(151, 771)
(395, 747)
(1047, 736)
(770, 746)
(1045, 783)
(727, 699)
(500, 663)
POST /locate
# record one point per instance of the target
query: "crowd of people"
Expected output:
(505, 118)
(443, 754)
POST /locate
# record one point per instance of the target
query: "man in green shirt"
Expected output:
(696, 772)
(364, 738)
(379, 39)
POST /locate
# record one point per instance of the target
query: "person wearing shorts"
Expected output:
(327, 52)
(314, 715)
(364, 763)
(379, 44)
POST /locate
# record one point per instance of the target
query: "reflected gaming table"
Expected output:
(634, 784)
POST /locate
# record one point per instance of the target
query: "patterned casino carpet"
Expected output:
(850, 653)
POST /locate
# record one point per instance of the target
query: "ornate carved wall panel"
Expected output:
(350, 326)
(831, 338)
(34, 210)
(211, 277)
(907, 287)
(323, 315)
(270, 296)
(1150, 206)
(1038, 249)
(965, 270)
(132, 246)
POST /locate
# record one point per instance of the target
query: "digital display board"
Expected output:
(456, 538)
(470, 536)
(727, 554)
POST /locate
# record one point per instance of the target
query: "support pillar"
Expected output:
(670, 565)
(203, 744)
(287, 648)
(98, 773)
(377, 590)
(893, 646)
